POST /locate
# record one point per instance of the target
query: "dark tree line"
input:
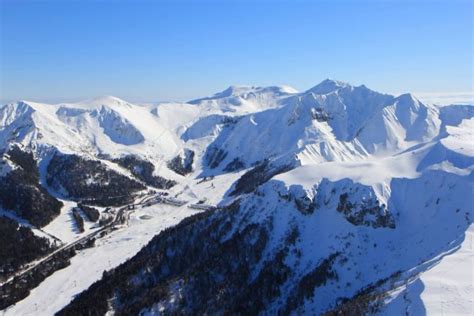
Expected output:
(214, 156)
(21, 192)
(78, 219)
(257, 176)
(214, 270)
(20, 286)
(143, 170)
(91, 213)
(182, 164)
(18, 246)
(235, 165)
(90, 181)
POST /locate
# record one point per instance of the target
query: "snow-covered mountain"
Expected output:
(104, 125)
(330, 122)
(333, 200)
(244, 99)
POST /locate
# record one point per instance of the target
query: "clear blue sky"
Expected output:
(177, 50)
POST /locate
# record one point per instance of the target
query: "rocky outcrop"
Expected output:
(366, 212)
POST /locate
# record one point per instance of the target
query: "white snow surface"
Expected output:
(415, 158)
(449, 286)
(445, 288)
(88, 265)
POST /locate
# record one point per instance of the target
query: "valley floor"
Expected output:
(89, 264)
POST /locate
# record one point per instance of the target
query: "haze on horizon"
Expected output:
(145, 51)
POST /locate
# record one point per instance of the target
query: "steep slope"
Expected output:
(31, 123)
(453, 152)
(331, 122)
(340, 236)
(104, 125)
(103, 129)
(15, 240)
(337, 199)
(278, 255)
(21, 191)
(90, 181)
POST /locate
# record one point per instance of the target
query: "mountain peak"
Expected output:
(235, 90)
(239, 90)
(104, 100)
(327, 86)
(407, 97)
(246, 92)
(108, 99)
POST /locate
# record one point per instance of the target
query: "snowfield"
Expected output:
(445, 288)
(385, 181)
(87, 267)
(449, 284)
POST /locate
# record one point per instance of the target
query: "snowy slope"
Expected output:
(88, 266)
(444, 288)
(449, 285)
(377, 231)
(331, 122)
(244, 99)
(103, 125)
(384, 183)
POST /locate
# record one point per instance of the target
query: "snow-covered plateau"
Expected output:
(338, 200)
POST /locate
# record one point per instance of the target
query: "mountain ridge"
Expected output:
(338, 196)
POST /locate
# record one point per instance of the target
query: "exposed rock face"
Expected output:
(349, 194)
(21, 192)
(366, 212)
(90, 180)
(278, 250)
(358, 203)
(183, 163)
(143, 170)
(303, 202)
(320, 115)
